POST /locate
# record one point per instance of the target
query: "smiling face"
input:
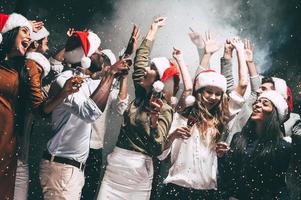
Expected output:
(150, 76)
(262, 108)
(22, 42)
(265, 87)
(43, 47)
(210, 96)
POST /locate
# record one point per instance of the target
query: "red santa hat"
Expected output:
(285, 91)
(14, 20)
(278, 102)
(89, 44)
(110, 55)
(167, 70)
(42, 33)
(210, 78)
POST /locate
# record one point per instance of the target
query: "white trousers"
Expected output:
(61, 181)
(22, 180)
(128, 176)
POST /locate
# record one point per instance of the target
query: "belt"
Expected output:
(67, 161)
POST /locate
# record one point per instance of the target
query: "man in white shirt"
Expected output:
(61, 170)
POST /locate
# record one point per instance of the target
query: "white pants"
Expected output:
(61, 181)
(22, 179)
(128, 175)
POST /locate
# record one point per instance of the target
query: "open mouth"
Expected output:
(25, 44)
(256, 111)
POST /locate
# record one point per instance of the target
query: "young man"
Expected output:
(63, 163)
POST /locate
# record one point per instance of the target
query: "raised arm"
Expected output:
(186, 78)
(254, 76)
(197, 40)
(142, 59)
(211, 46)
(226, 65)
(242, 67)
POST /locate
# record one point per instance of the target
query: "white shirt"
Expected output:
(193, 161)
(115, 108)
(72, 121)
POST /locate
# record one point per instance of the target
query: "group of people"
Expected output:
(222, 142)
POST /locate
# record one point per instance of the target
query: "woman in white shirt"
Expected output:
(192, 140)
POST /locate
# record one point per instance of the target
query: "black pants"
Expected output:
(172, 191)
(92, 174)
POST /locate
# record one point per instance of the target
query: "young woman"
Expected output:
(16, 38)
(129, 172)
(192, 140)
(256, 165)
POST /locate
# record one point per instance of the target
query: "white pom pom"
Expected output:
(158, 86)
(189, 100)
(0, 38)
(173, 100)
(85, 62)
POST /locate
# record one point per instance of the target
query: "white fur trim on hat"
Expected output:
(16, 20)
(74, 56)
(41, 60)
(278, 101)
(189, 100)
(94, 41)
(42, 33)
(0, 38)
(280, 86)
(85, 62)
(110, 55)
(210, 78)
(161, 63)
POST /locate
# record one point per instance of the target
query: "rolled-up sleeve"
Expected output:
(236, 102)
(86, 109)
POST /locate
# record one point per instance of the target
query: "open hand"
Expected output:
(211, 45)
(237, 43)
(249, 48)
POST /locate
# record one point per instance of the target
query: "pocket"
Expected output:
(67, 173)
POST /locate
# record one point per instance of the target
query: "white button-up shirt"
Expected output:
(193, 161)
(72, 121)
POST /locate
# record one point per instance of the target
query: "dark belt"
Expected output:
(67, 161)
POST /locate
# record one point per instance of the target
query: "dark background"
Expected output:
(275, 26)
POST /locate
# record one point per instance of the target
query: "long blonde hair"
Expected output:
(215, 118)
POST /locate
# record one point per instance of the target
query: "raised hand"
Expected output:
(211, 45)
(237, 44)
(71, 86)
(36, 26)
(177, 54)
(133, 42)
(196, 38)
(158, 23)
(249, 48)
(70, 32)
(120, 66)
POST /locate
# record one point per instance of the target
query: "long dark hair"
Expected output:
(17, 63)
(268, 140)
